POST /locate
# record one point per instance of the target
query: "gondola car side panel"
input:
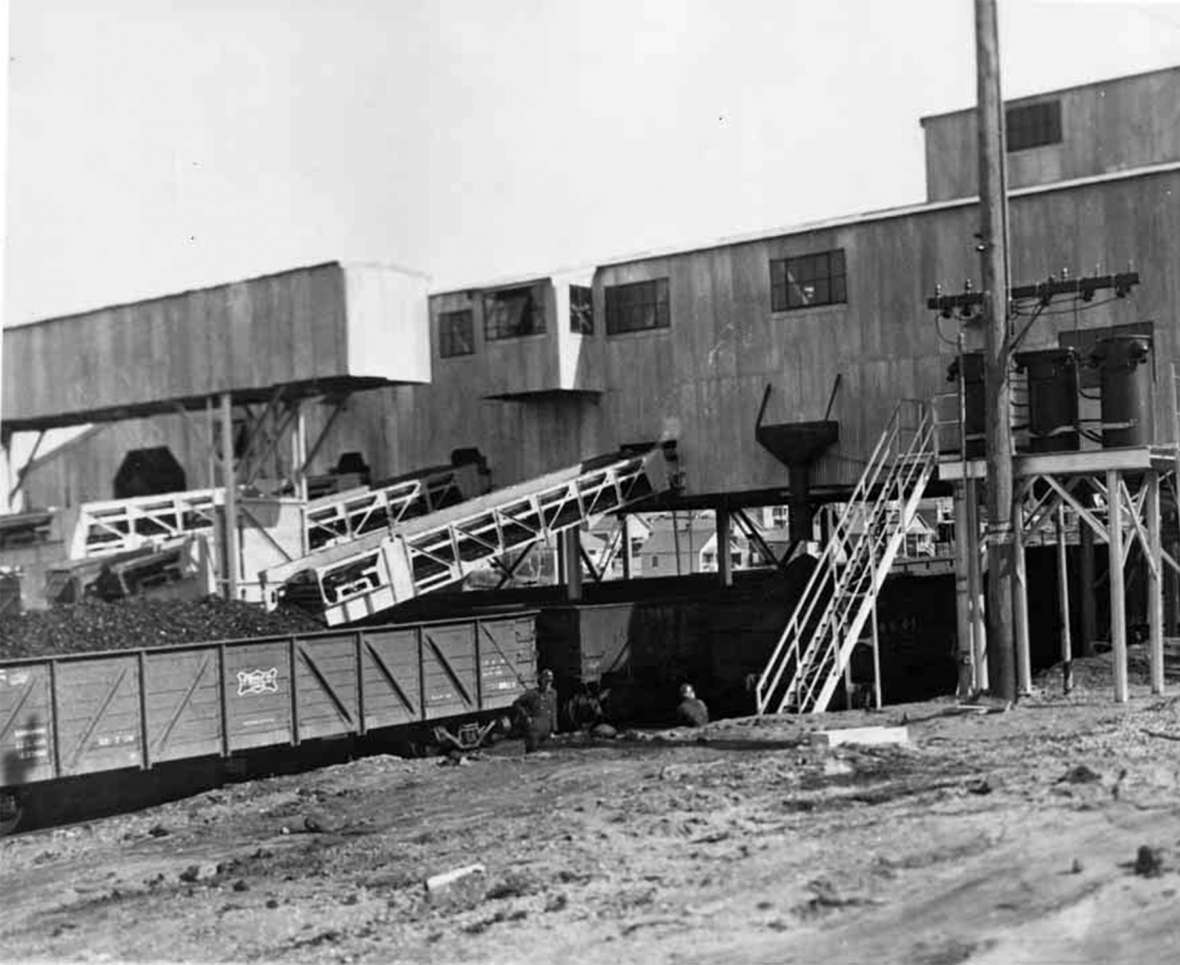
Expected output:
(98, 714)
(26, 724)
(391, 669)
(183, 703)
(507, 651)
(259, 703)
(328, 697)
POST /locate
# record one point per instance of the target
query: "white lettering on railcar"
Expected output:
(14, 678)
(115, 740)
(253, 682)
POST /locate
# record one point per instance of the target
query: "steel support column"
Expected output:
(1063, 600)
(1020, 593)
(1155, 573)
(231, 498)
(975, 577)
(571, 550)
(963, 622)
(1088, 614)
(724, 563)
(625, 536)
(1118, 603)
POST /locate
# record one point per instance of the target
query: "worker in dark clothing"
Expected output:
(535, 712)
(691, 712)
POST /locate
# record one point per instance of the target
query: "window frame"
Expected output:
(1029, 126)
(582, 314)
(626, 300)
(493, 330)
(446, 335)
(811, 268)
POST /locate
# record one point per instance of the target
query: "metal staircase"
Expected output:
(809, 659)
(352, 580)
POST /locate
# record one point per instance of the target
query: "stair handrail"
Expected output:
(810, 597)
(910, 470)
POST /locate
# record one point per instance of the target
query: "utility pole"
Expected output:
(993, 249)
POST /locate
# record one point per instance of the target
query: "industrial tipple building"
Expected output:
(798, 366)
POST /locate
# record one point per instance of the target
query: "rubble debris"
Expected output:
(477, 927)
(1080, 775)
(194, 872)
(317, 824)
(445, 879)
(1149, 862)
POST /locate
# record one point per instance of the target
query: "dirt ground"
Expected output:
(1048, 833)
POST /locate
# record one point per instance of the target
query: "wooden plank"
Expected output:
(326, 678)
(449, 669)
(507, 660)
(257, 693)
(392, 688)
(182, 706)
(26, 724)
(98, 720)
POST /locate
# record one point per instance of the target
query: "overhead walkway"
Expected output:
(356, 578)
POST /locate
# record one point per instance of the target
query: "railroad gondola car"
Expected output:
(446, 682)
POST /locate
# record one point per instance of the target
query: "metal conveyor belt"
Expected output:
(357, 579)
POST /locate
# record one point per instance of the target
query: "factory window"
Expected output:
(456, 334)
(511, 313)
(581, 310)
(636, 307)
(807, 281)
(1033, 125)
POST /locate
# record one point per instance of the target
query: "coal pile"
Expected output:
(142, 622)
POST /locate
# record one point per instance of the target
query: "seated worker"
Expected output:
(691, 711)
(535, 712)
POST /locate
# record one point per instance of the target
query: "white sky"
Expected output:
(157, 145)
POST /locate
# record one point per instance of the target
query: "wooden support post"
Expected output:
(848, 681)
(1088, 612)
(1155, 572)
(231, 498)
(211, 419)
(975, 575)
(963, 625)
(1172, 591)
(571, 545)
(1063, 600)
(625, 549)
(724, 563)
(1118, 603)
(299, 452)
(1020, 597)
(993, 249)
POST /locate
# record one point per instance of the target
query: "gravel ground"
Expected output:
(1048, 832)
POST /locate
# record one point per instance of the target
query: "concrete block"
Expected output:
(862, 735)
